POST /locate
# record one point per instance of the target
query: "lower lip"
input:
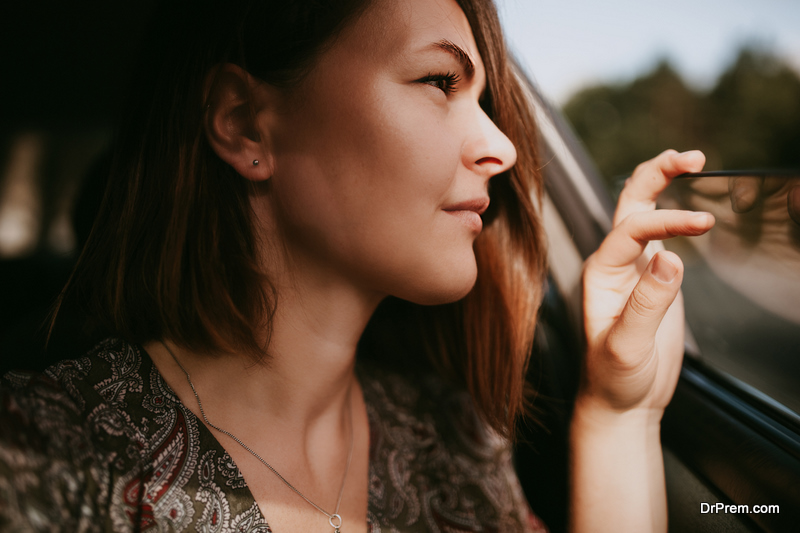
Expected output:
(471, 219)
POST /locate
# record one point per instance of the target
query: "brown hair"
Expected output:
(173, 255)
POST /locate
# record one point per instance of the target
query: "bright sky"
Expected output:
(566, 44)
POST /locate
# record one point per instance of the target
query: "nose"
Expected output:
(488, 151)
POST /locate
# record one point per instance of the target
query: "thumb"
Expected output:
(633, 335)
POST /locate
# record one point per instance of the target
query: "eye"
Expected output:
(446, 82)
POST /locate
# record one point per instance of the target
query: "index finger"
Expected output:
(652, 177)
(627, 242)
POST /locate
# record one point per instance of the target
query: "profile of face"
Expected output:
(381, 157)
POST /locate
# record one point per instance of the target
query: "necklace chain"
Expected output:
(334, 519)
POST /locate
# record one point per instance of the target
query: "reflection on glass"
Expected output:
(742, 282)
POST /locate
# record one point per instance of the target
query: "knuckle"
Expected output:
(642, 167)
(625, 193)
(624, 355)
(667, 230)
(626, 221)
(614, 349)
(632, 222)
(642, 303)
(664, 161)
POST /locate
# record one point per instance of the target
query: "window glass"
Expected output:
(635, 78)
(742, 280)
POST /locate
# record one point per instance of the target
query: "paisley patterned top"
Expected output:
(101, 443)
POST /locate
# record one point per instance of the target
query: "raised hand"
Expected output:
(633, 311)
(634, 327)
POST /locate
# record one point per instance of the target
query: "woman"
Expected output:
(301, 182)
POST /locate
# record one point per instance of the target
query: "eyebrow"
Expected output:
(459, 53)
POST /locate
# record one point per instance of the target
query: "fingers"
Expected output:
(633, 335)
(652, 177)
(745, 192)
(628, 240)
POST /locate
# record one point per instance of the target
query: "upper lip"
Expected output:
(478, 205)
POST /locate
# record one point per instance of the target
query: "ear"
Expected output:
(231, 122)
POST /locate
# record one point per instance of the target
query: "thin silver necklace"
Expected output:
(334, 519)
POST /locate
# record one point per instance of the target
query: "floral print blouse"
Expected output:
(101, 443)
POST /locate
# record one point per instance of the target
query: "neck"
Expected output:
(313, 345)
(306, 376)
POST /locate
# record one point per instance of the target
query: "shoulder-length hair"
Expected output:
(173, 252)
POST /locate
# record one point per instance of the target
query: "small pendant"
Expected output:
(336, 522)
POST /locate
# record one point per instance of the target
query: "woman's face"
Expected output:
(383, 156)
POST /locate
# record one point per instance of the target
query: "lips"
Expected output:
(476, 205)
(469, 212)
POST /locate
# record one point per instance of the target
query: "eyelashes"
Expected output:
(447, 82)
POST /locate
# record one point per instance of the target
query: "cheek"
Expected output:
(359, 155)
(412, 148)
(361, 190)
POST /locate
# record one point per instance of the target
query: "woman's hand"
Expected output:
(633, 310)
(634, 326)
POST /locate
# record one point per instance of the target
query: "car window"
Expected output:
(742, 108)
(742, 281)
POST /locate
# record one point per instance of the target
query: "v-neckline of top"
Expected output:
(205, 431)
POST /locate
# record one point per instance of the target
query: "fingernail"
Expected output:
(663, 270)
(702, 218)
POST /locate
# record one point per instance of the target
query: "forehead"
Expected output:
(394, 27)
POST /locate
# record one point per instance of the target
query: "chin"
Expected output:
(444, 287)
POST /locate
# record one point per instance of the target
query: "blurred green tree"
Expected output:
(750, 118)
(755, 111)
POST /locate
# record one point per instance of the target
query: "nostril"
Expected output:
(494, 160)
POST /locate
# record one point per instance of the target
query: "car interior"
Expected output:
(725, 439)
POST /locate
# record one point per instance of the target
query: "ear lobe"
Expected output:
(231, 126)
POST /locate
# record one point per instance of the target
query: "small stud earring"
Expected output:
(255, 162)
